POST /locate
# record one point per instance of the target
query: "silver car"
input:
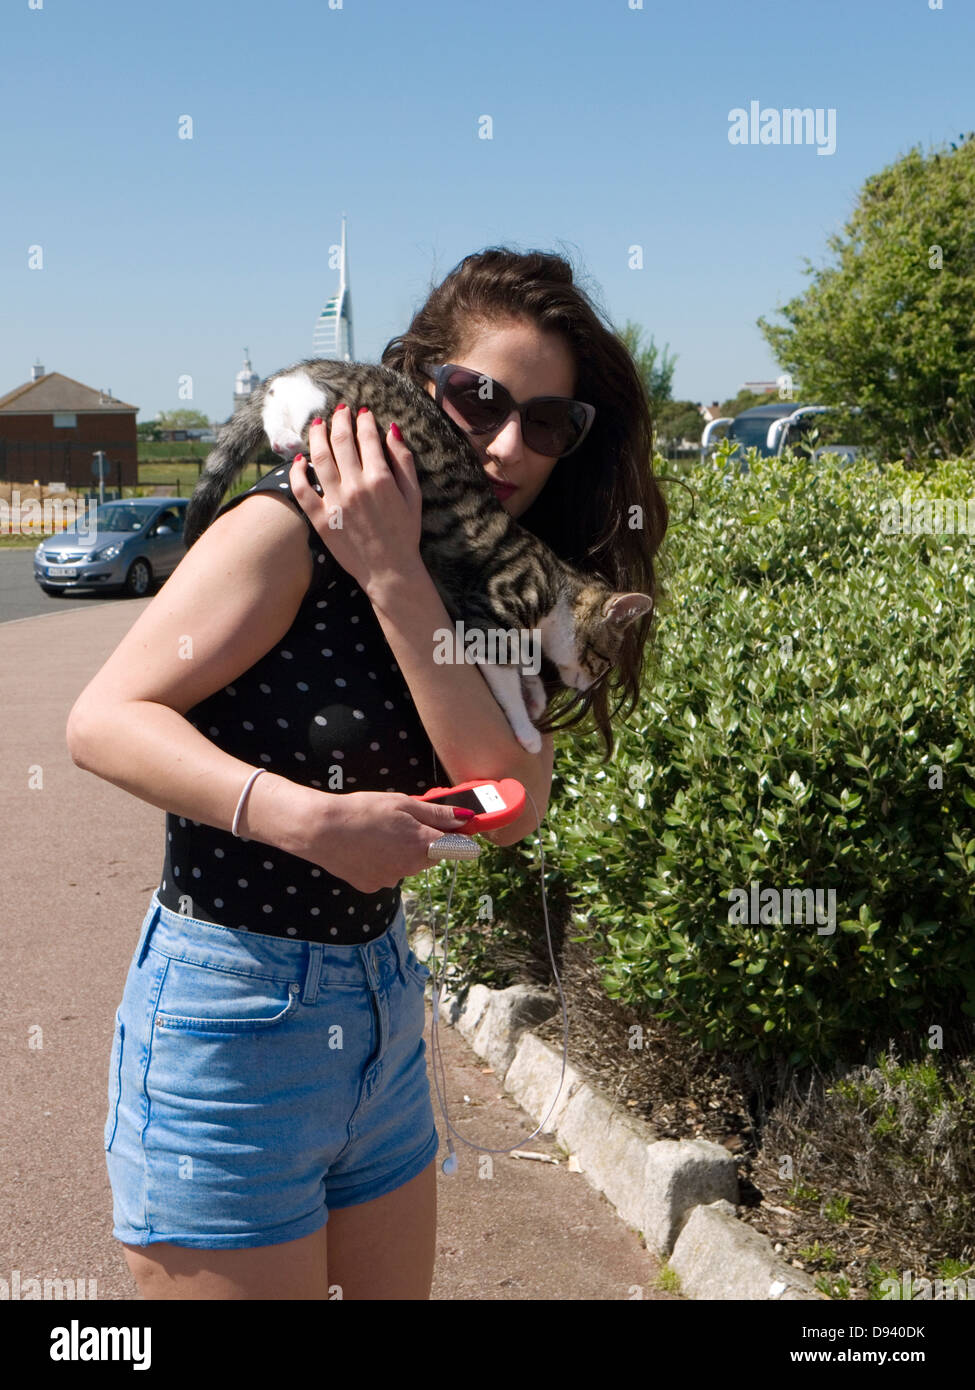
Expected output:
(129, 546)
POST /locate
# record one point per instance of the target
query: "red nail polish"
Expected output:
(464, 814)
(395, 431)
(363, 410)
(318, 420)
(298, 458)
(343, 406)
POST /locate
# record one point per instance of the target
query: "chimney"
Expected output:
(36, 372)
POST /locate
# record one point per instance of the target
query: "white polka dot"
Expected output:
(322, 602)
(421, 784)
(293, 931)
(218, 902)
(374, 747)
(337, 753)
(326, 651)
(383, 771)
(315, 911)
(319, 627)
(336, 892)
(359, 647)
(288, 656)
(218, 853)
(267, 907)
(268, 864)
(292, 890)
(280, 472)
(230, 690)
(357, 714)
(300, 757)
(284, 485)
(212, 730)
(340, 681)
(316, 873)
(176, 870)
(334, 931)
(372, 675)
(182, 821)
(265, 688)
(321, 561)
(302, 685)
(351, 911)
(283, 723)
(353, 620)
(197, 873)
(170, 835)
(402, 733)
(242, 883)
(164, 883)
(413, 762)
(248, 725)
(265, 757)
(388, 704)
(320, 719)
(315, 784)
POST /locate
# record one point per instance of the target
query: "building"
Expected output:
(52, 426)
(333, 330)
(246, 382)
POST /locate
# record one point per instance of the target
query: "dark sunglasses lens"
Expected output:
(472, 401)
(554, 427)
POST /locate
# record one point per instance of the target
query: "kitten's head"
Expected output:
(600, 616)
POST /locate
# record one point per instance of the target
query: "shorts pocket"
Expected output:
(205, 999)
(114, 1081)
(416, 968)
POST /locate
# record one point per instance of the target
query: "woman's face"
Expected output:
(528, 362)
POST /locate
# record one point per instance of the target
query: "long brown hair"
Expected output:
(583, 511)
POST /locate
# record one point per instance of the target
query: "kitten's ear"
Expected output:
(622, 609)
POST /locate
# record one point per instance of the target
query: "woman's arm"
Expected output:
(232, 597)
(379, 506)
(465, 723)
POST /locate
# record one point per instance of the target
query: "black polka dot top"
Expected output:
(327, 707)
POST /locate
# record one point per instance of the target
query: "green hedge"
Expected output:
(808, 723)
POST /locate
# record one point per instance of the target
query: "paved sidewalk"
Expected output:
(79, 859)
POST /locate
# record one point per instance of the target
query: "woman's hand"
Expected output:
(370, 514)
(372, 839)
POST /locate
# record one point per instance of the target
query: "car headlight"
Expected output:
(107, 552)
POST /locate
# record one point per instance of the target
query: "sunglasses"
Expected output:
(550, 425)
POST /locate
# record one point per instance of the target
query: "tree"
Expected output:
(890, 327)
(745, 400)
(677, 420)
(182, 420)
(657, 376)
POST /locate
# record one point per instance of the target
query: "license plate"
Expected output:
(62, 572)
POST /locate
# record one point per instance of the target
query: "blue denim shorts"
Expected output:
(256, 1081)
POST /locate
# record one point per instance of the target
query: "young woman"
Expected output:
(268, 1071)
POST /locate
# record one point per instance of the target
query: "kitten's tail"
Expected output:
(238, 439)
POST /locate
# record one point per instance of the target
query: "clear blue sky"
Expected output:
(165, 256)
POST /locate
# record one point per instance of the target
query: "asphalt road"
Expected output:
(79, 859)
(22, 597)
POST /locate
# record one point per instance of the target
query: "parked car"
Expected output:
(771, 429)
(131, 545)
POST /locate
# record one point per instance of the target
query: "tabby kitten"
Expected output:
(493, 576)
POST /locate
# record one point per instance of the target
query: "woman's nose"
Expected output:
(508, 443)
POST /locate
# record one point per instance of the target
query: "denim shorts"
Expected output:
(255, 1082)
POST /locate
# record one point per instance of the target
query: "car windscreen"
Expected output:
(116, 518)
(750, 433)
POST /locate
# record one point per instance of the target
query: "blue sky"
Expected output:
(163, 257)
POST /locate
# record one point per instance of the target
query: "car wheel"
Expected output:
(53, 590)
(138, 579)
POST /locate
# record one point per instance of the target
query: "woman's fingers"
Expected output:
(402, 466)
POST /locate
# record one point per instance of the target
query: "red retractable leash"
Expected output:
(494, 804)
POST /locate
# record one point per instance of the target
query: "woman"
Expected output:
(268, 1070)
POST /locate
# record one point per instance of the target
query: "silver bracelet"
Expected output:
(243, 797)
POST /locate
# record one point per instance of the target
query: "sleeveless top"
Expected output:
(327, 707)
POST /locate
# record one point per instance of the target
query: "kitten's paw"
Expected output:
(531, 742)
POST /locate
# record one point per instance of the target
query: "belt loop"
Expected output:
(312, 973)
(151, 919)
(397, 934)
